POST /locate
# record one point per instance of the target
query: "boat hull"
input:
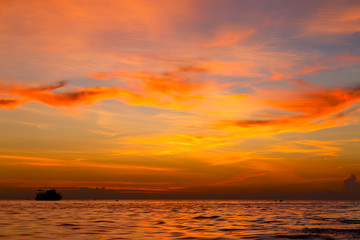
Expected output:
(48, 195)
(48, 199)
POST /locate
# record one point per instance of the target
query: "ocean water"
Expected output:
(179, 219)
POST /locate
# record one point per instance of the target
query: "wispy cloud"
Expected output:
(230, 37)
(335, 18)
(324, 63)
(105, 133)
(10, 103)
(306, 111)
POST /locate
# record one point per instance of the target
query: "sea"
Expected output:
(179, 219)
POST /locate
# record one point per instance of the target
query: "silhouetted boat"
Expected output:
(48, 194)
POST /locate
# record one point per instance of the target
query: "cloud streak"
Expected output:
(313, 109)
(9, 103)
(306, 111)
(230, 37)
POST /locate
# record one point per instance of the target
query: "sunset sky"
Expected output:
(180, 96)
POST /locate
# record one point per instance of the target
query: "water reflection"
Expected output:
(179, 220)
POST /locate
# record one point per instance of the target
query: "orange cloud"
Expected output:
(312, 69)
(230, 37)
(174, 86)
(320, 103)
(310, 111)
(10, 103)
(169, 144)
(335, 18)
(233, 68)
(175, 83)
(41, 161)
(80, 96)
(184, 76)
(348, 58)
(307, 146)
(45, 94)
(313, 147)
(278, 76)
(109, 134)
(305, 85)
(165, 90)
(333, 62)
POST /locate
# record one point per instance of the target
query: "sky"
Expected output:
(191, 96)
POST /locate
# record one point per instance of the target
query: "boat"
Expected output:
(48, 195)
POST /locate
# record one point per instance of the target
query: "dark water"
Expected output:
(183, 219)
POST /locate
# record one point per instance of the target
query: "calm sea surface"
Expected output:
(183, 219)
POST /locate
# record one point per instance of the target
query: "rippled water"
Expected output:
(183, 219)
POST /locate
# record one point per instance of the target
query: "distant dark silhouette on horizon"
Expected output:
(351, 184)
(350, 191)
(351, 187)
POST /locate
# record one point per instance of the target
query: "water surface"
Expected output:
(179, 219)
